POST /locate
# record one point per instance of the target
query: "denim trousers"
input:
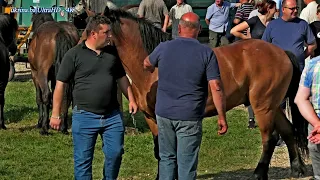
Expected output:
(179, 145)
(314, 150)
(85, 128)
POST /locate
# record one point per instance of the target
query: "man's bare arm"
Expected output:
(207, 21)
(165, 24)
(58, 97)
(147, 65)
(125, 87)
(305, 107)
(56, 105)
(219, 100)
(310, 48)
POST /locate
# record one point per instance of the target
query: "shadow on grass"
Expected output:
(246, 174)
(15, 114)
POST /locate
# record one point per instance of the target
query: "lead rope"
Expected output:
(133, 129)
(134, 122)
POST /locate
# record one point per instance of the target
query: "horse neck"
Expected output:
(132, 61)
(132, 53)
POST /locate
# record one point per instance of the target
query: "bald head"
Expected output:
(289, 2)
(190, 20)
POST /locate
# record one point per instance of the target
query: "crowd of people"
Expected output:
(180, 128)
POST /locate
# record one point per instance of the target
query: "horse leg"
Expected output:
(64, 111)
(284, 127)
(38, 100)
(2, 101)
(43, 83)
(3, 85)
(266, 125)
(154, 129)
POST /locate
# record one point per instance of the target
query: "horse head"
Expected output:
(127, 27)
(39, 18)
(8, 29)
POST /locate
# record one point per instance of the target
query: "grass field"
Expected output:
(25, 154)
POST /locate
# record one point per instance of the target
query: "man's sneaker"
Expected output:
(251, 124)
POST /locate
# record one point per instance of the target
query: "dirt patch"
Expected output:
(23, 72)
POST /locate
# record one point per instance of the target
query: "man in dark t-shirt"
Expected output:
(95, 69)
(291, 33)
(185, 67)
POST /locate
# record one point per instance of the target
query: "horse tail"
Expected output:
(64, 42)
(300, 125)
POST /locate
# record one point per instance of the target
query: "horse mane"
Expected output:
(7, 24)
(39, 18)
(151, 36)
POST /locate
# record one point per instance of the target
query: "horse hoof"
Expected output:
(44, 133)
(298, 169)
(65, 132)
(260, 177)
(12, 71)
(3, 127)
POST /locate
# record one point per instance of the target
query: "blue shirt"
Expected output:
(310, 78)
(290, 36)
(184, 68)
(218, 16)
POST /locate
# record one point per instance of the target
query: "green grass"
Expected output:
(28, 155)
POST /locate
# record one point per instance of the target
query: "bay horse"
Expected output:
(252, 71)
(50, 41)
(8, 28)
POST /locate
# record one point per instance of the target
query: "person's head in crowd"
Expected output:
(307, 1)
(98, 31)
(179, 2)
(267, 7)
(289, 10)
(189, 25)
(318, 12)
(219, 2)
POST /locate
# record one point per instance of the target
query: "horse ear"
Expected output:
(106, 11)
(12, 15)
(31, 7)
(54, 5)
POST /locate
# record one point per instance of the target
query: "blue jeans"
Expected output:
(85, 128)
(179, 145)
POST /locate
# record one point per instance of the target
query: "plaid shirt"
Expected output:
(310, 78)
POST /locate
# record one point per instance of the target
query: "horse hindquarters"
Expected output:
(4, 74)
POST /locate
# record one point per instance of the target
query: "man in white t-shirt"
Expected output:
(175, 14)
(309, 13)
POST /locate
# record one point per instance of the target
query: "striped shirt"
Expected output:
(243, 13)
(310, 78)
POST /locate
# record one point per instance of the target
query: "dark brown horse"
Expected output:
(253, 72)
(50, 41)
(8, 28)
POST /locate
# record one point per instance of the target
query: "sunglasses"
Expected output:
(293, 8)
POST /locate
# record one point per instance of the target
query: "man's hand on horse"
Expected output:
(223, 126)
(133, 107)
(55, 122)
